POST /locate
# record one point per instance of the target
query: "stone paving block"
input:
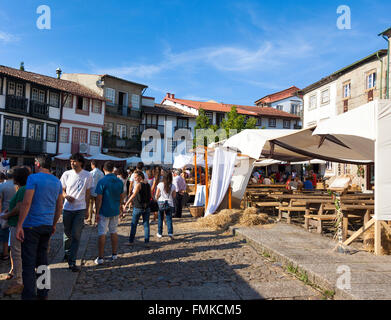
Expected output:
(274, 290)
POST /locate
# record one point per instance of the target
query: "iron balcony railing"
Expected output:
(118, 110)
(14, 144)
(39, 109)
(122, 144)
(16, 104)
(157, 127)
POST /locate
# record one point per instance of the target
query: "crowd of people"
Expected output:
(291, 180)
(32, 202)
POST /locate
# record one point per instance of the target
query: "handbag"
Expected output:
(163, 205)
(154, 206)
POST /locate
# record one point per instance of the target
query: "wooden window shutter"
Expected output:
(345, 105)
(370, 95)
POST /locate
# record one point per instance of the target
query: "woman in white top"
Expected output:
(165, 194)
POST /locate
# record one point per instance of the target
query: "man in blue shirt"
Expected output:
(308, 184)
(39, 214)
(110, 195)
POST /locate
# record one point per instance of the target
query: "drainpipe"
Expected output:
(381, 75)
(388, 67)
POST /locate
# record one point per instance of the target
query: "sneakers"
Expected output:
(171, 237)
(113, 257)
(99, 261)
(66, 258)
(158, 235)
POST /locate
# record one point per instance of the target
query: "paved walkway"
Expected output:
(197, 265)
(361, 275)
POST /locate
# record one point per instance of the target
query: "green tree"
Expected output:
(238, 122)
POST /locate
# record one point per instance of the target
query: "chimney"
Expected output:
(58, 72)
(172, 96)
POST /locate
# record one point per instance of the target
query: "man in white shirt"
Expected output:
(76, 184)
(133, 182)
(96, 176)
(180, 188)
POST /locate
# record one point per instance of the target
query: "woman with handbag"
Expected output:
(165, 195)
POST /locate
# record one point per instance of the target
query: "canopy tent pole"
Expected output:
(206, 179)
(195, 172)
(230, 197)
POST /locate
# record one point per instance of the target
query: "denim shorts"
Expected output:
(107, 224)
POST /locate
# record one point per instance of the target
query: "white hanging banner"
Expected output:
(382, 162)
(223, 168)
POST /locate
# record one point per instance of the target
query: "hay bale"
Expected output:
(230, 217)
(250, 211)
(220, 221)
(249, 220)
(369, 241)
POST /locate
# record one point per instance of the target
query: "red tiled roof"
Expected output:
(59, 84)
(223, 107)
(167, 110)
(278, 95)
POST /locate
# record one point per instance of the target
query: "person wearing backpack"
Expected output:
(165, 195)
(141, 199)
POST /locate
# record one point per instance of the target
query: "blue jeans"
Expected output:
(137, 212)
(73, 226)
(34, 254)
(168, 213)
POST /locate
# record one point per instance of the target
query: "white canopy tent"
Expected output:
(187, 160)
(104, 157)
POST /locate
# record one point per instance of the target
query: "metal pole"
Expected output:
(206, 179)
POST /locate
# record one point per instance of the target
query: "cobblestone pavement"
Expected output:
(195, 265)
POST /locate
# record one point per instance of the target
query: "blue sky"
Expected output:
(231, 51)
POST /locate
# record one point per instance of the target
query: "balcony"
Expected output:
(22, 145)
(182, 128)
(16, 104)
(39, 110)
(159, 128)
(113, 142)
(14, 144)
(35, 146)
(117, 110)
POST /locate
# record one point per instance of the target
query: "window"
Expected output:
(109, 127)
(12, 127)
(95, 138)
(54, 99)
(133, 132)
(82, 104)
(329, 166)
(97, 106)
(312, 102)
(110, 95)
(287, 124)
(183, 123)
(64, 135)
(295, 108)
(279, 107)
(38, 95)
(121, 131)
(34, 131)
(67, 100)
(210, 116)
(1, 86)
(259, 121)
(272, 122)
(325, 96)
(135, 101)
(11, 88)
(51, 133)
(346, 90)
(19, 90)
(371, 80)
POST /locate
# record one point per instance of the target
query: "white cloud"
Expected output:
(7, 37)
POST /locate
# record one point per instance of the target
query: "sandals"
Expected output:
(9, 276)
